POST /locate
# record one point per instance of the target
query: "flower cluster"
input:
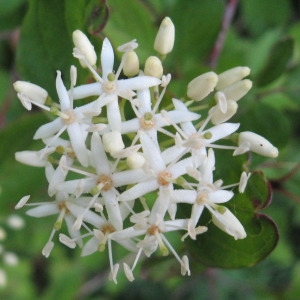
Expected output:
(119, 179)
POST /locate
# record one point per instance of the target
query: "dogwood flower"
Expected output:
(74, 121)
(109, 87)
(208, 194)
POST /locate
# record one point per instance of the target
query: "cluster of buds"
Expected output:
(115, 179)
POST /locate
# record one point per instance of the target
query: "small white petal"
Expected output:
(114, 273)
(43, 210)
(185, 268)
(128, 272)
(243, 181)
(47, 249)
(107, 58)
(67, 241)
(22, 202)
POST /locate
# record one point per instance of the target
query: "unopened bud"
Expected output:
(83, 44)
(165, 37)
(112, 142)
(202, 85)
(231, 76)
(153, 67)
(257, 144)
(229, 223)
(218, 117)
(136, 160)
(32, 91)
(237, 90)
(131, 65)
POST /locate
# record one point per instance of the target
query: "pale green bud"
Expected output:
(31, 91)
(165, 37)
(229, 223)
(153, 67)
(231, 76)
(112, 142)
(83, 44)
(202, 85)
(131, 65)
(257, 144)
(237, 90)
(218, 117)
(136, 160)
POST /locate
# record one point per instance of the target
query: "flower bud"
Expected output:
(237, 90)
(231, 76)
(136, 160)
(153, 67)
(31, 158)
(164, 40)
(112, 142)
(229, 223)
(131, 65)
(85, 47)
(257, 144)
(32, 91)
(218, 117)
(202, 85)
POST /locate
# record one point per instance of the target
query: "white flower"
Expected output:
(208, 193)
(74, 121)
(149, 121)
(109, 87)
(64, 207)
(104, 182)
(160, 177)
(153, 232)
(195, 140)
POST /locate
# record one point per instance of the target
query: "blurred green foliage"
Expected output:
(36, 40)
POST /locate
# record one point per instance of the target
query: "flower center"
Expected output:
(197, 141)
(164, 178)
(110, 85)
(68, 117)
(153, 229)
(147, 121)
(107, 229)
(202, 198)
(105, 182)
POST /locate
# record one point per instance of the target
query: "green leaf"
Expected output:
(17, 180)
(11, 13)
(195, 35)
(46, 45)
(217, 249)
(257, 20)
(277, 61)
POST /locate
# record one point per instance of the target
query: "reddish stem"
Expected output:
(226, 21)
